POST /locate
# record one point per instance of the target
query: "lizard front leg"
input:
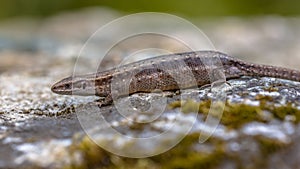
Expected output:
(108, 100)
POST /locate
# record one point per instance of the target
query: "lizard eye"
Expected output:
(67, 86)
(83, 84)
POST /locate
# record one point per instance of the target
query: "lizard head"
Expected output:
(77, 85)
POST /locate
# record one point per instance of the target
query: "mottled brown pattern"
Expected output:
(167, 72)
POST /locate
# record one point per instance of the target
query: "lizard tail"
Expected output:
(271, 71)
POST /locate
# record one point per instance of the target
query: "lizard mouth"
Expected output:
(60, 88)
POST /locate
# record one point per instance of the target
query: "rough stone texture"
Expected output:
(41, 129)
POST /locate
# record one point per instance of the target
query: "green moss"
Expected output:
(269, 146)
(184, 155)
(92, 156)
(193, 160)
(190, 106)
(236, 115)
(271, 89)
(263, 98)
(175, 104)
(137, 126)
(282, 112)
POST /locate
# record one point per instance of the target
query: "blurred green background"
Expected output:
(191, 8)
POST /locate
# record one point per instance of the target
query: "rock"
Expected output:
(245, 123)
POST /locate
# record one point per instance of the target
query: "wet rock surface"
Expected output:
(258, 126)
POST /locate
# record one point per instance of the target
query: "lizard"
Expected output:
(166, 73)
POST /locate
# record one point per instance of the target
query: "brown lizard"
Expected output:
(166, 72)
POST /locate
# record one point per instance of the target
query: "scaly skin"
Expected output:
(167, 72)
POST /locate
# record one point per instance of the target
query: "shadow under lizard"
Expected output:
(165, 73)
